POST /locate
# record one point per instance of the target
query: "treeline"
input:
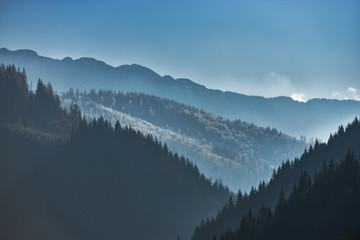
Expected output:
(323, 207)
(313, 189)
(63, 177)
(239, 153)
(235, 135)
(40, 109)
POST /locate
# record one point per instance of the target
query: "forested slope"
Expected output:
(239, 153)
(327, 194)
(68, 178)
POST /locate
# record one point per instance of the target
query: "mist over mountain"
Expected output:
(179, 120)
(318, 191)
(64, 177)
(282, 113)
(238, 153)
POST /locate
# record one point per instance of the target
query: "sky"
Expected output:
(303, 49)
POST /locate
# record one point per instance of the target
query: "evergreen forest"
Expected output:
(315, 196)
(64, 175)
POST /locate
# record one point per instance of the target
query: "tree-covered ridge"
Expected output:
(323, 207)
(313, 160)
(192, 121)
(237, 152)
(80, 179)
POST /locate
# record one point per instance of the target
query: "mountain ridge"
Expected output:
(64, 177)
(29, 52)
(287, 178)
(239, 153)
(283, 113)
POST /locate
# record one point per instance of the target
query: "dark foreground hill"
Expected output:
(239, 153)
(283, 113)
(315, 196)
(65, 178)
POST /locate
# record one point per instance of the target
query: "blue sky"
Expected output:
(303, 49)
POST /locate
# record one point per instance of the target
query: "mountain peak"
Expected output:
(23, 52)
(168, 77)
(67, 59)
(138, 70)
(91, 61)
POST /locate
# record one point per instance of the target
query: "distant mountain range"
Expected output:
(239, 153)
(282, 113)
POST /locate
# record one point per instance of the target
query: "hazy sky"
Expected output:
(303, 49)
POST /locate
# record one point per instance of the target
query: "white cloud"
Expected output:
(352, 90)
(349, 93)
(300, 97)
